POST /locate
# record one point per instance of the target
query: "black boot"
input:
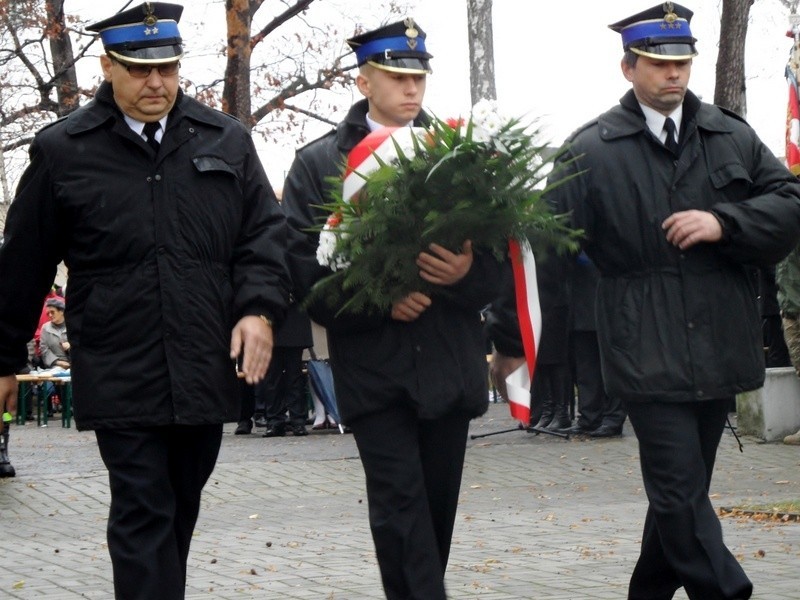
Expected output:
(6, 470)
(560, 418)
(548, 412)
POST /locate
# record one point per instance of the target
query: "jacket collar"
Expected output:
(627, 119)
(103, 109)
(354, 127)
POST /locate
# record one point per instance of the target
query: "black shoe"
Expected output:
(299, 430)
(244, 427)
(606, 431)
(275, 431)
(575, 430)
(559, 423)
(261, 421)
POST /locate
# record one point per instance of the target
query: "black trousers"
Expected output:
(284, 387)
(682, 541)
(595, 406)
(156, 477)
(413, 473)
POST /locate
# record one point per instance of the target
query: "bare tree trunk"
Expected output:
(731, 90)
(65, 78)
(6, 199)
(236, 92)
(481, 50)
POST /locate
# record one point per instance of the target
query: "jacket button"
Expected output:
(690, 325)
(700, 394)
(158, 177)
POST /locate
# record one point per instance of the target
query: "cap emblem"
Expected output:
(411, 33)
(150, 19)
(411, 29)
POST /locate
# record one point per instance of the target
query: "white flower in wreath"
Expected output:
(326, 250)
(487, 121)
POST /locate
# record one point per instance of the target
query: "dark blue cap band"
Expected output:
(652, 30)
(393, 44)
(139, 32)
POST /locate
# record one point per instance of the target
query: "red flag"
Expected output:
(792, 126)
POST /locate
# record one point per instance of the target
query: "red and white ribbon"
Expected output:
(529, 314)
(380, 144)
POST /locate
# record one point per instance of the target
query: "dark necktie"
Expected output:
(670, 142)
(150, 130)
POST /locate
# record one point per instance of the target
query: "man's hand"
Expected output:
(689, 227)
(253, 337)
(502, 366)
(8, 396)
(442, 267)
(411, 307)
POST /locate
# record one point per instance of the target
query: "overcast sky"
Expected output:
(555, 61)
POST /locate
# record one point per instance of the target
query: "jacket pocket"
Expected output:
(209, 203)
(732, 179)
(206, 164)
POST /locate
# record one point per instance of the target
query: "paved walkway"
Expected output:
(540, 517)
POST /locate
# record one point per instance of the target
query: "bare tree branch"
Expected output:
(308, 113)
(18, 143)
(289, 13)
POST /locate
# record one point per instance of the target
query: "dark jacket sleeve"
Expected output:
(31, 250)
(303, 194)
(261, 279)
(762, 230)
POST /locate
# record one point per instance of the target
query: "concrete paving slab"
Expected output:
(539, 517)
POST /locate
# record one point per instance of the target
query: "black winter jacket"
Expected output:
(677, 325)
(165, 253)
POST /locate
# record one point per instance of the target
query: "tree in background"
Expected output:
(481, 50)
(259, 81)
(730, 90)
(37, 76)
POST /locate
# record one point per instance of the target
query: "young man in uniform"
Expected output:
(408, 381)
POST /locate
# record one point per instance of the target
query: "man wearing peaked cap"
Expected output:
(659, 32)
(141, 192)
(679, 200)
(408, 381)
(399, 48)
(145, 34)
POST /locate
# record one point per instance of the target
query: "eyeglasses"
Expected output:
(143, 71)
